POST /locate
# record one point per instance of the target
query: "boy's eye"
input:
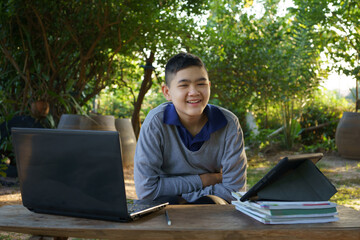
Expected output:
(183, 85)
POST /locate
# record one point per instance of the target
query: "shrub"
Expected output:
(324, 112)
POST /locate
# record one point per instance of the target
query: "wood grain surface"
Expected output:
(188, 222)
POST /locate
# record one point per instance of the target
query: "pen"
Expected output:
(167, 218)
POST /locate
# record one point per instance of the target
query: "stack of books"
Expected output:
(285, 212)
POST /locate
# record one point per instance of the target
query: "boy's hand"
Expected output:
(209, 179)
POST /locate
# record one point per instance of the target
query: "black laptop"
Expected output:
(75, 173)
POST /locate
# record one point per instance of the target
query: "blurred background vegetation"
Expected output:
(266, 61)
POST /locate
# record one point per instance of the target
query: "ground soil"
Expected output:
(336, 168)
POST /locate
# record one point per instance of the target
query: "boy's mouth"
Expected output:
(193, 101)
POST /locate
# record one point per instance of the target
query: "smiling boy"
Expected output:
(187, 148)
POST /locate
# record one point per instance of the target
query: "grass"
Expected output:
(348, 187)
(347, 196)
(13, 236)
(5, 237)
(257, 168)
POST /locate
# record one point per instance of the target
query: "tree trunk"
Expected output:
(145, 86)
(357, 100)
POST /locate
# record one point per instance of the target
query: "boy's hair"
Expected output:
(181, 61)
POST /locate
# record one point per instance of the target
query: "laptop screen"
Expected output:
(71, 172)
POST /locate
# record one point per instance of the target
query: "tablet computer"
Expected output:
(285, 165)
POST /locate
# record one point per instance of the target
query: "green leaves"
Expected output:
(340, 25)
(70, 48)
(261, 60)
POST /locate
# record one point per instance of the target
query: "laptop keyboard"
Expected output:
(133, 206)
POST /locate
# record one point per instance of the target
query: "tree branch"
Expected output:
(46, 43)
(12, 61)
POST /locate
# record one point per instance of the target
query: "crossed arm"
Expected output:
(209, 179)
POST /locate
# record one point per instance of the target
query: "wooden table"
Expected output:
(188, 222)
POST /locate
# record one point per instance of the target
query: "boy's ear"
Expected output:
(166, 91)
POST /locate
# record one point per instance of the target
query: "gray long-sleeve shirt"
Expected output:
(163, 166)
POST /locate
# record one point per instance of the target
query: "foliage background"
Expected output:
(107, 57)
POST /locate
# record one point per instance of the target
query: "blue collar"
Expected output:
(216, 121)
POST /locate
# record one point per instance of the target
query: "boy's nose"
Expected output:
(193, 91)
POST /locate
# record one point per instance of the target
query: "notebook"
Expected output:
(294, 178)
(75, 173)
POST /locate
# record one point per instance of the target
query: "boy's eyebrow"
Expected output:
(197, 80)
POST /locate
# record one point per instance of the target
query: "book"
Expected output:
(302, 212)
(288, 220)
(286, 204)
(284, 212)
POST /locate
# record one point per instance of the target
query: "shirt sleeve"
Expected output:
(234, 164)
(150, 183)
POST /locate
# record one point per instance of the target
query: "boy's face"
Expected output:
(189, 91)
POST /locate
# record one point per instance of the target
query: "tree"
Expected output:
(65, 52)
(262, 60)
(259, 61)
(340, 32)
(167, 32)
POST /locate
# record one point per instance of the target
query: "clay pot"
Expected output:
(93, 122)
(70, 121)
(128, 140)
(98, 122)
(40, 109)
(347, 135)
